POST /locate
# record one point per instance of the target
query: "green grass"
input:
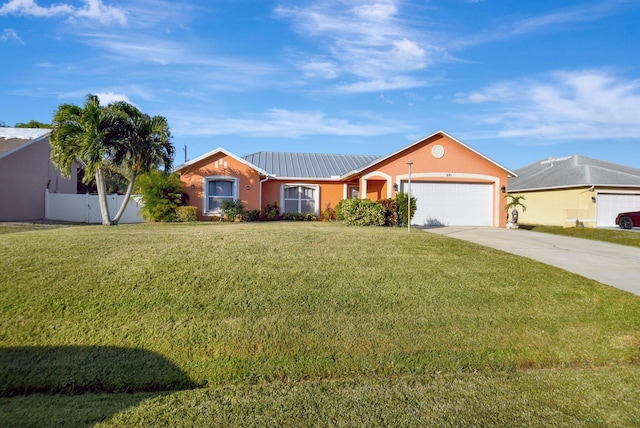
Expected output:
(14, 227)
(290, 323)
(621, 237)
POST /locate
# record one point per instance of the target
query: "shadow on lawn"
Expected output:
(71, 371)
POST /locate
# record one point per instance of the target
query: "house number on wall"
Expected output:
(449, 174)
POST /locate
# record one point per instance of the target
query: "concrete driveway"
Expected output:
(611, 264)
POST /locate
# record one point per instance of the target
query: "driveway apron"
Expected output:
(611, 264)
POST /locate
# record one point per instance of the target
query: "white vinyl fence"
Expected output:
(86, 208)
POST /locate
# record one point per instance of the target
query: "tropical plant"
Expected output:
(86, 133)
(402, 207)
(118, 136)
(161, 195)
(329, 214)
(271, 212)
(251, 215)
(513, 202)
(144, 144)
(390, 211)
(232, 209)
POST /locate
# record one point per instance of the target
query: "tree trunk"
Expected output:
(102, 197)
(127, 196)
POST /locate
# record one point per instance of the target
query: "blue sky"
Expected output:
(518, 81)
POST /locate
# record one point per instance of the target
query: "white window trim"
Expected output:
(205, 198)
(375, 175)
(316, 201)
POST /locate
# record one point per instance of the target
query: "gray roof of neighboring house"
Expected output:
(308, 165)
(13, 139)
(573, 171)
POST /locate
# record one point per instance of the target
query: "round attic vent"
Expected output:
(437, 151)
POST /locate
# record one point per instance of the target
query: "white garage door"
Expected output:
(608, 206)
(452, 204)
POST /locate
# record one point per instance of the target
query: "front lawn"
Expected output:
(615, 236)
(294, 323)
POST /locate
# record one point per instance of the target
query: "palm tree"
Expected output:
(144, 144)
(86, 134)
(514, 202)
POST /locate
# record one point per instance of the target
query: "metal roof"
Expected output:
(308, 165)
(14, 139)
(573, 171)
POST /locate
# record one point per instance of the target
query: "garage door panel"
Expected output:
(610, 204)
(452, 204)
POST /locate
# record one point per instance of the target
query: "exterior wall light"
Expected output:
(503, 188)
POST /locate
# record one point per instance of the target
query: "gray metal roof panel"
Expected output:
(573, 171)
(308, 165)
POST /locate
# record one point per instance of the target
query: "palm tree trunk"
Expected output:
(102, 197)
(127, 196)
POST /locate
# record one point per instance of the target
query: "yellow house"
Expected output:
(576, 190)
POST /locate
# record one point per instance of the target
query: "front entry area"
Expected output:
(452, 204)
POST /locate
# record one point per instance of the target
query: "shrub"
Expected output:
(251, 215)
(161, 195)
(232, 209)
(187, 213)
(360, 212)
(390, 211)
(401, 204)
(271, 212)
(308, 216)
(328, 214)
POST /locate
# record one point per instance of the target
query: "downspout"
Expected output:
(260, 192)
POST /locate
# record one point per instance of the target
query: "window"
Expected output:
(300, 199)
(353, 192)
(218, 190)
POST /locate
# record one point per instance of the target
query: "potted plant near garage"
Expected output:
(513, 202)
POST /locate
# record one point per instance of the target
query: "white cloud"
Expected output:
(281, 123)
(111, 97)
(364, 39)
(95, 9)
(92, 9)
(381, 85)
(559, 19)
(585, 104)
(30, 8)
(9, 34)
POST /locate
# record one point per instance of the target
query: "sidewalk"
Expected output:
(611, 264)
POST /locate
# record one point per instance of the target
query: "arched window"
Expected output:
(300, 198)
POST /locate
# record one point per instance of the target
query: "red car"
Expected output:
(628, 220)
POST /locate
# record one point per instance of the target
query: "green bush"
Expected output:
(329, 214)
(251, 215)
(308, 216)
(390, 211)
(402, 208)
(187, 213)
(232, 209)
(161, 195)
(360, 212)
(271, 212)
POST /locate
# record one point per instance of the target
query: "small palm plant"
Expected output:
(515, 201)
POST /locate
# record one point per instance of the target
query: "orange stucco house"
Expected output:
(453, 183)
